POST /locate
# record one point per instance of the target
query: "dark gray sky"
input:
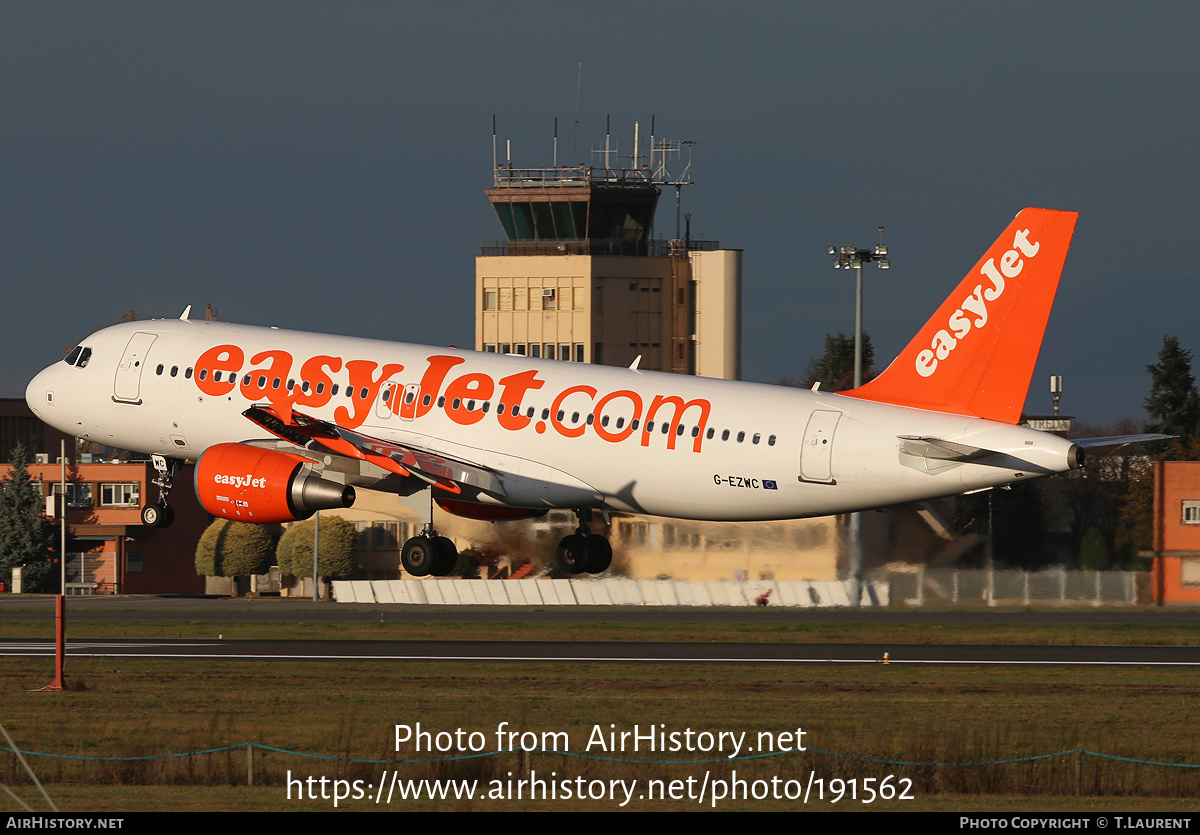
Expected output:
(321, 166)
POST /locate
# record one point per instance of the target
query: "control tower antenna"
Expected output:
(578, 88)
(607, 145)
(660, 174)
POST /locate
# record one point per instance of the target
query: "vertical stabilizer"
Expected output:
(977, 354)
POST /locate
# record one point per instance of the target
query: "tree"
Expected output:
(339, 549)
(234, 549)
(1174, 408)
(834, 369)
(1173, 402)
(26, 535)
(1091, 499)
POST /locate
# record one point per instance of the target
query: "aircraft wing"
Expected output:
(317, 435)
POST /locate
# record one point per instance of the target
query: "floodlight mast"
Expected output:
(851, 257)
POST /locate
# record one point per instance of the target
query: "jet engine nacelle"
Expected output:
(248, 484)
(487, 512)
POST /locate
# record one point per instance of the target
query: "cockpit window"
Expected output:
(79, 356)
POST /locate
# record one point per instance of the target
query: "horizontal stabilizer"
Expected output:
(1118, 440)
(926, 447)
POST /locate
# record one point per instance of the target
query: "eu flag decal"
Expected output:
(769, 485)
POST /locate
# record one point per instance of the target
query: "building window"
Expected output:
(120, 495)
(489, 299)
(1189, 571)
(78, 495)
(133, 562)
(1191, 513)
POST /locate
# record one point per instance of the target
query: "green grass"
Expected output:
(131, 707)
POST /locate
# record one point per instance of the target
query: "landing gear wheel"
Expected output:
(151, 515)
(573, 554)
(599, 554)
(445, 556)
(417, 556)
(166, 515)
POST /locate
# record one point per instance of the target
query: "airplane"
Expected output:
(283, 423)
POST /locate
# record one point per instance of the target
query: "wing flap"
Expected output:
(313, 434)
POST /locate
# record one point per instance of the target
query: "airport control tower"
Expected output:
(579, 277)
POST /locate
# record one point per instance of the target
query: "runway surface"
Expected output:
(218, 611)
(26, 608)
(612, 652)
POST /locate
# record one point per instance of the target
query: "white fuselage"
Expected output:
(730, 450)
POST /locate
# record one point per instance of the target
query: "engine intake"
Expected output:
(248, 484)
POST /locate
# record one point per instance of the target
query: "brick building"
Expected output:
(1176, 575)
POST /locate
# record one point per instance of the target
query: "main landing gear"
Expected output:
(161, 515)
(584, 551)
(429, 553)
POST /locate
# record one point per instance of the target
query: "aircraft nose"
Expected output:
(40, 391)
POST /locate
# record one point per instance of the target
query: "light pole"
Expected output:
(851, 257)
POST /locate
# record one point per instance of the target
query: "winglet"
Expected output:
(186, 312)
(977, 354)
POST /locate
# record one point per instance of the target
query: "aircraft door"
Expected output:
(817, 450)
(127, 386)
(385, 404)
(408, 405)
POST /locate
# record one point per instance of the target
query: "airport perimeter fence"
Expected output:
(607, 591)
(920, 586)
(896, 586)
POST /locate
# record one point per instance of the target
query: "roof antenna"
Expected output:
(578, 87)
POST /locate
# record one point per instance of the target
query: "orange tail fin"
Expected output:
(976, 355)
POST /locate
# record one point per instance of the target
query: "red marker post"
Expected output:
(60, 644)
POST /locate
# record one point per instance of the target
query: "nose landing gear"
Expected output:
(161, 515)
